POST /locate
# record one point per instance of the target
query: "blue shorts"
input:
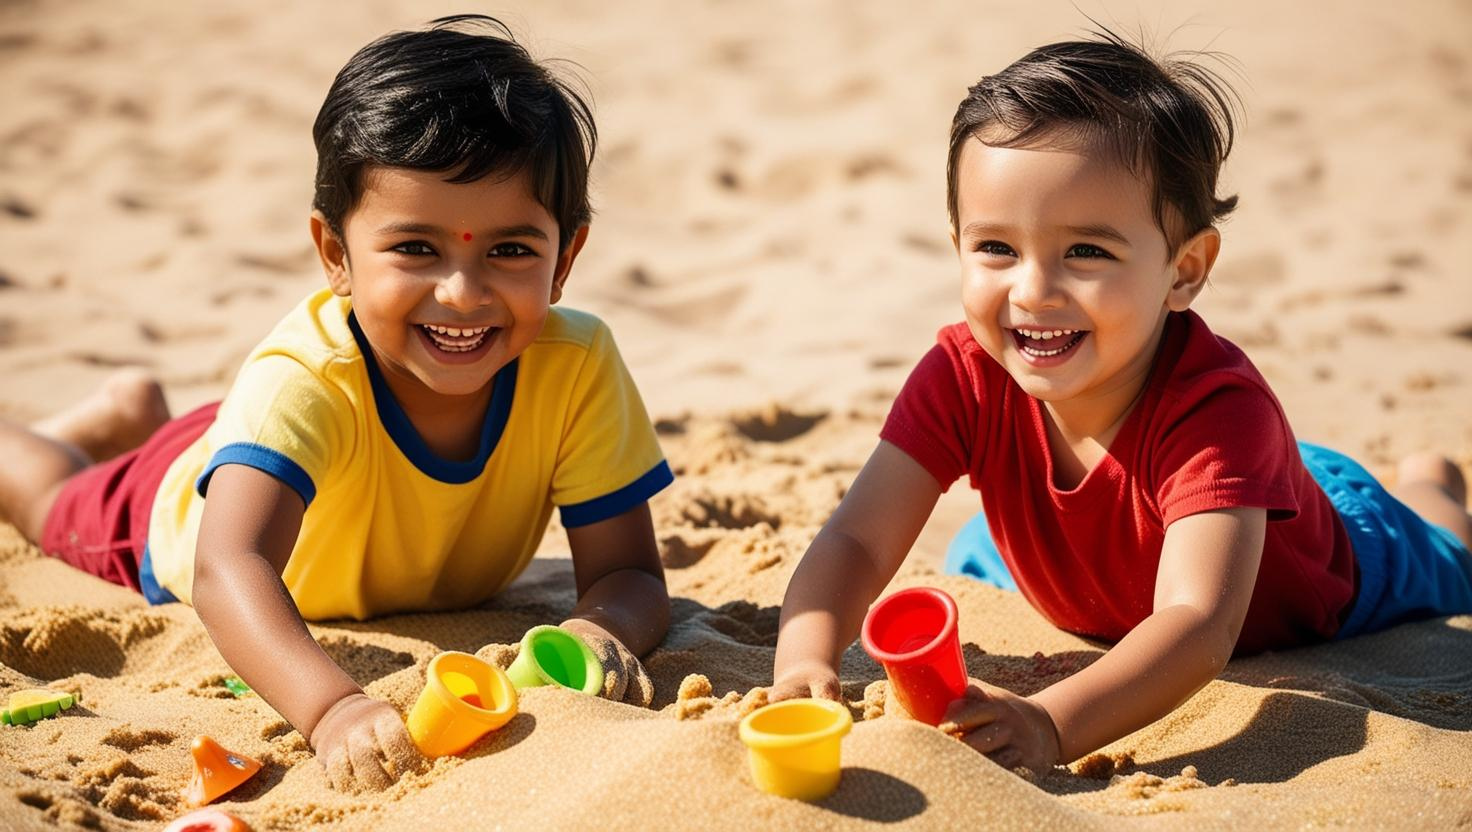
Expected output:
(1409, 568)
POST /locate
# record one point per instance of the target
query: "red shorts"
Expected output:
(99, 522)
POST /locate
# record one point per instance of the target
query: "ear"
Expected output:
(334, 256)
(1192, 266)
(564, 261)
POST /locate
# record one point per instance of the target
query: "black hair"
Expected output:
(1167, 120)
(461, 96)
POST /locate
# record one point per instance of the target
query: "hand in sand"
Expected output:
(1012, 730)
(806, 679)
(624, 678)
(362, 744)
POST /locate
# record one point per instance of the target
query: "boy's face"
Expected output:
(1066, 277)
(449, 282)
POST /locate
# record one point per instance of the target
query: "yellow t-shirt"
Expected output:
(390, 527)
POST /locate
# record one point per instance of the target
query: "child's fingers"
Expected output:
(826, 688)
(641, 687)
(367, 761)
(989, 738)
(337, 768)
(966, 715)
(787, 690)
(398, 748)
(1008, 757)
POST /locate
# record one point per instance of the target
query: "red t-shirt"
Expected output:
(1206, 434)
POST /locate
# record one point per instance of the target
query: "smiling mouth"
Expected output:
(457, 339)
(1046, 343)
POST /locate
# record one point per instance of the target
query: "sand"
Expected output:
(771, 252)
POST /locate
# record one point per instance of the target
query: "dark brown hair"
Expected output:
(1168, 121)
(461, 97)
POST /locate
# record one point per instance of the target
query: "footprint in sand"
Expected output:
(745, 622)
(131, 739)
(60, 811)
(776, 423)
(55, 642)
(364, 662)
(682, 551)
(16, 207)
(728, 511)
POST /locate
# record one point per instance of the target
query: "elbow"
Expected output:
(1220, 638)
(660, 607)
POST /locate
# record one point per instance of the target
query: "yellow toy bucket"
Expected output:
(463, 698)
(794, 746)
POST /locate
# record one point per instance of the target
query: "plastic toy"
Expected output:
(35, 704)
(463, 698)
(794, 747)
(912, 633)
(237, 686)
(208, 820)
(216, 771)
(553, 656)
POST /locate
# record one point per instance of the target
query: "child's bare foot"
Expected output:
(1436, 470)
(1434, 487)
(119, 417)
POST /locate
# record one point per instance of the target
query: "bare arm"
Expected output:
(623, 608)
(1208, 567)
(620, 580)
(848, 564)
(250, 525)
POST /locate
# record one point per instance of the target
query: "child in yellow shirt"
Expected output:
(398, 442)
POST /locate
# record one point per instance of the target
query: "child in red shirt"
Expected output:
(1140, 481)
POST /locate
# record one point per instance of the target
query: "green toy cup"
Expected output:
(553, 656)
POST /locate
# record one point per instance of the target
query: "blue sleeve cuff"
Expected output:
(261, 458)
(620, 501)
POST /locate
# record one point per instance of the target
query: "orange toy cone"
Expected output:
(216, 771)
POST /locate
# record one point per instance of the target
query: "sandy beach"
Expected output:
(771, 252)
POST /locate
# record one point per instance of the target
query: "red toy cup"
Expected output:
(913, 634)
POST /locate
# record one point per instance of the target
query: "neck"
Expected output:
(449, 425)
(1099, 415)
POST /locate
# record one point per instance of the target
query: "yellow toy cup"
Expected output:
(463, 698)
(794, 746)
(553, 656)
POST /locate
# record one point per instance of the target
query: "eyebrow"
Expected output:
(1097, 230)
(524, 230)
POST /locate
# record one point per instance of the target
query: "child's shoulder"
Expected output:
(574, 327)
(1197, 354)
(1201, 374)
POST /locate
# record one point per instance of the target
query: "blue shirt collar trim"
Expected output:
(402, 431)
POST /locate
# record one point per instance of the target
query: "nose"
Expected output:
(462, 291)
(1035, 287)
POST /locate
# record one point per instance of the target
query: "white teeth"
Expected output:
(1045, 334)
(465, 340)
(456, 332)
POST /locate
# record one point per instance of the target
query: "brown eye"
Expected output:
(1088, 251)
(511, 250)
(995, 247)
